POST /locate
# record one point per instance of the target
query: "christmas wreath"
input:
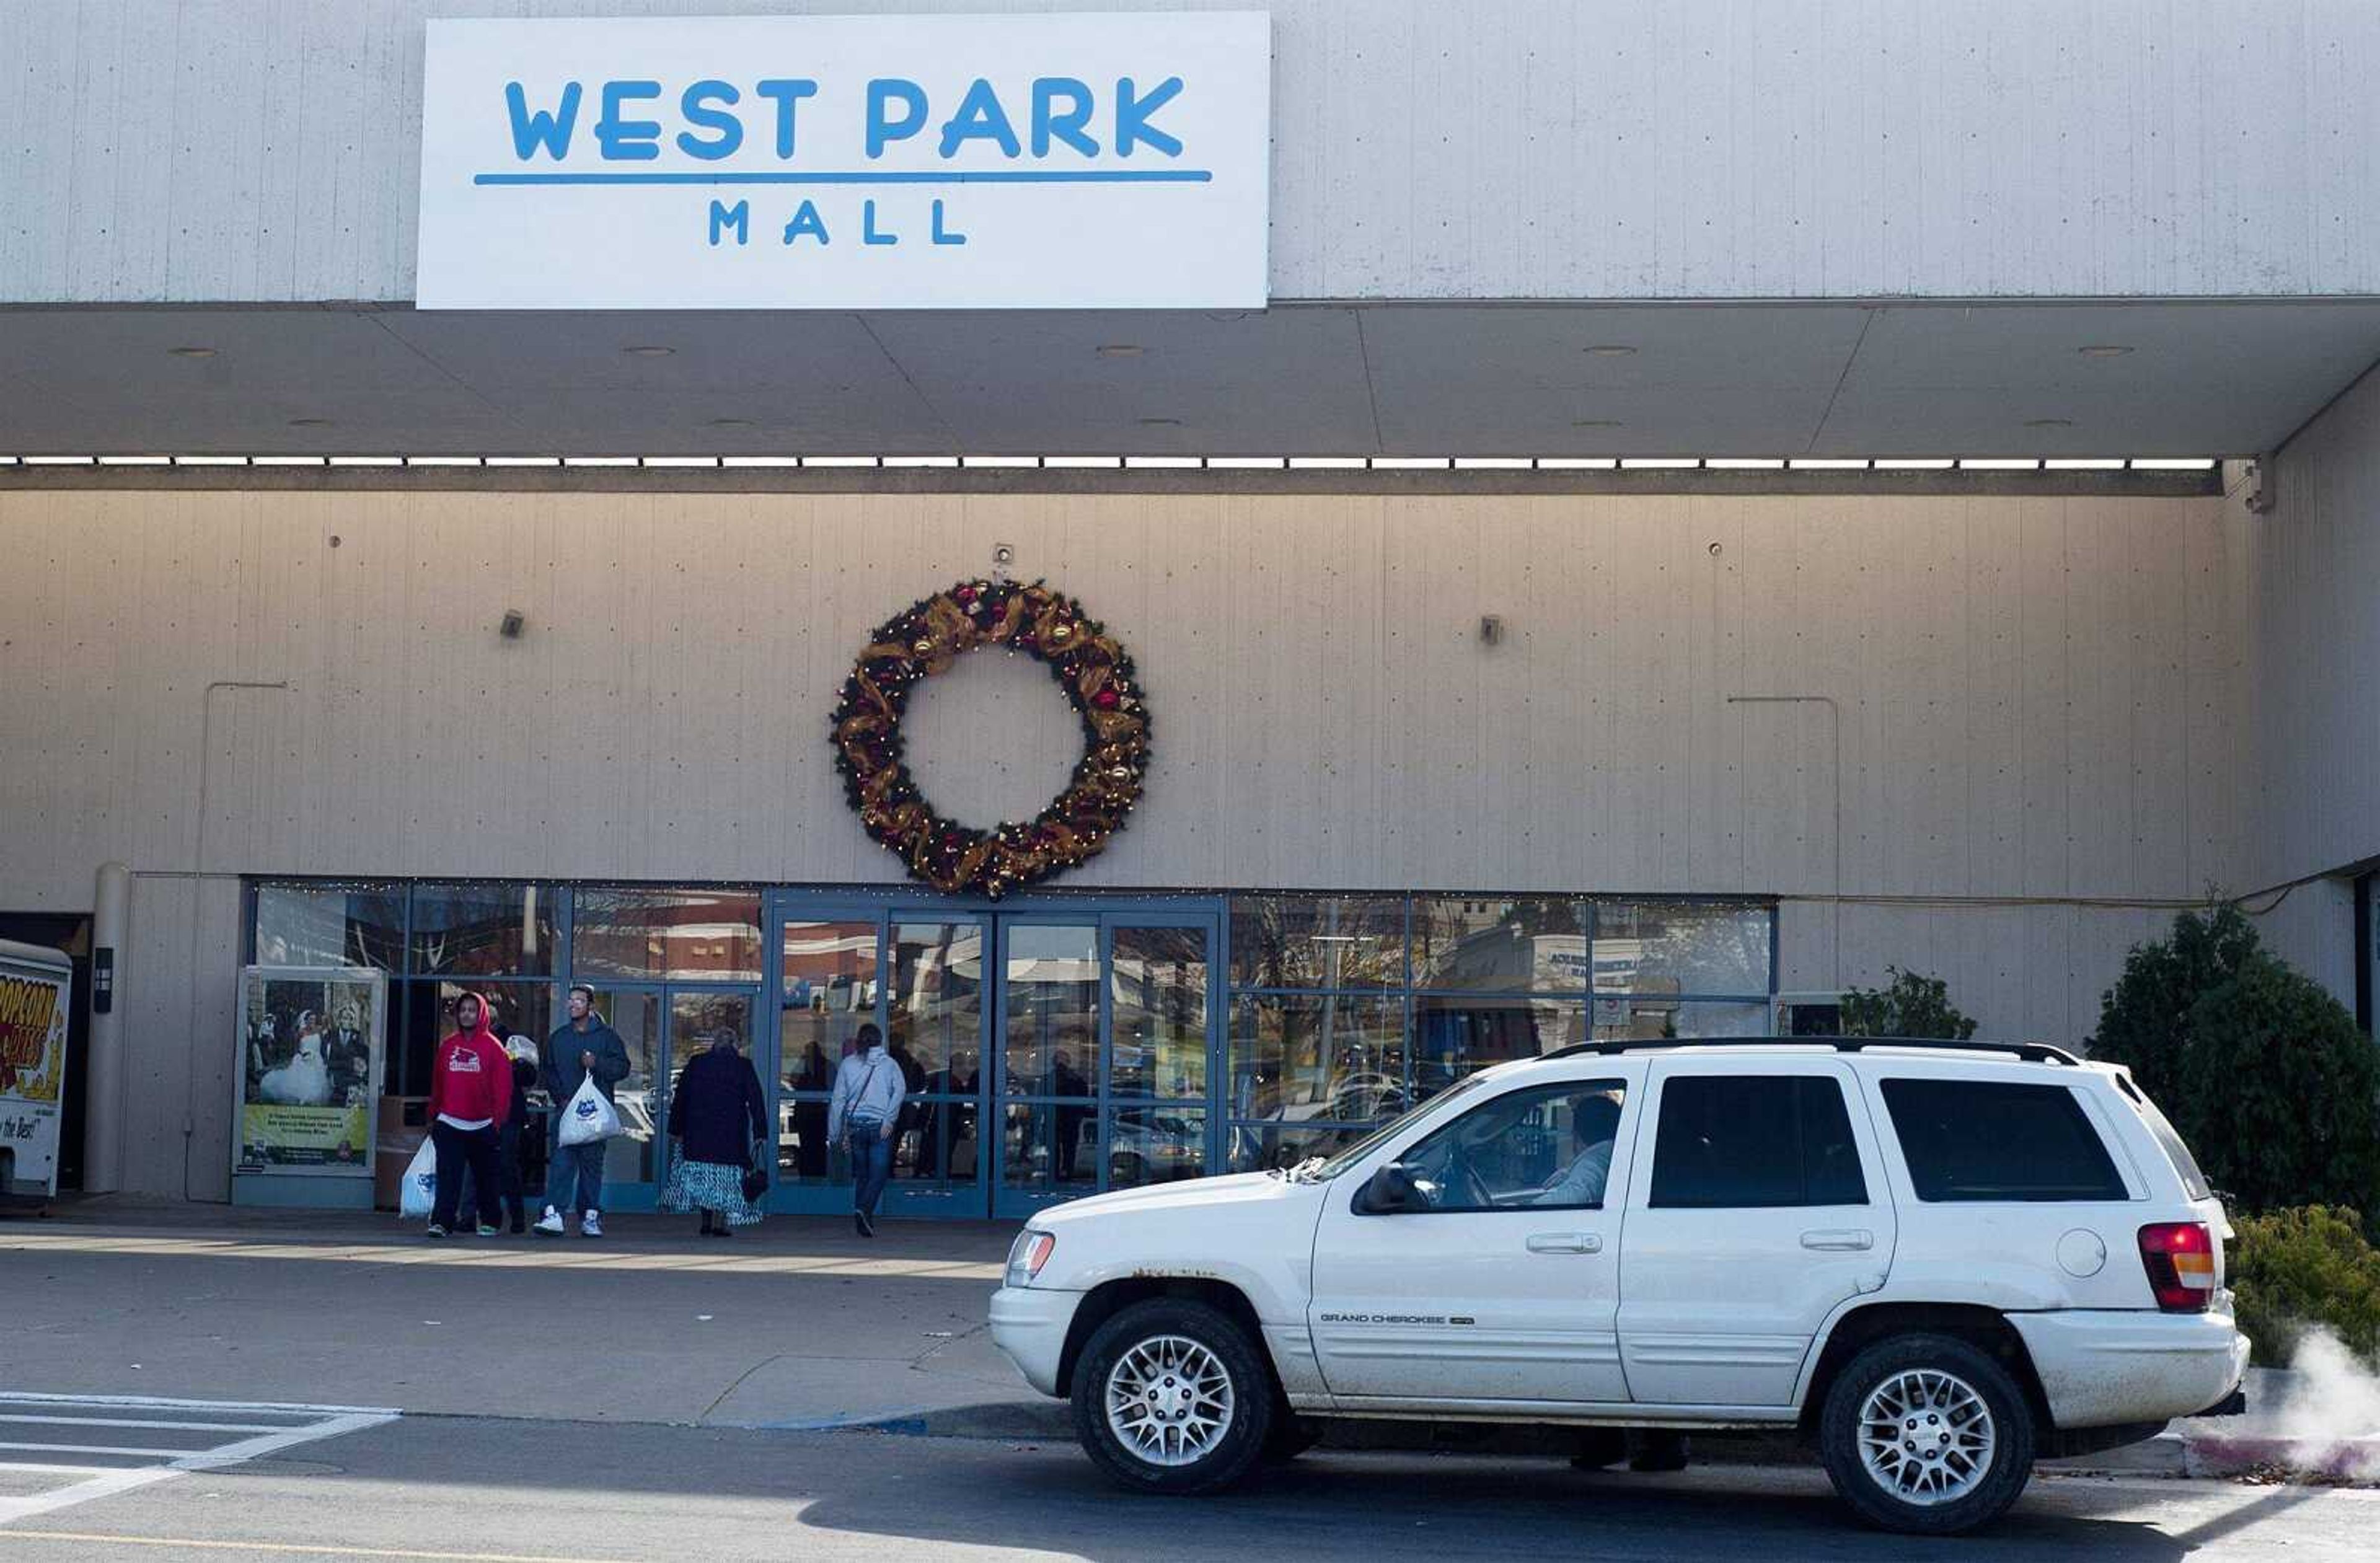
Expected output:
(1088, 665)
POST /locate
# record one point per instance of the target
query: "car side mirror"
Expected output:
(1389, 1191)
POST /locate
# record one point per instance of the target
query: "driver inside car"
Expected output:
(1581, 1183)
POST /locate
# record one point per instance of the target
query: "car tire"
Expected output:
(1170, 1396)
(1964, 1448)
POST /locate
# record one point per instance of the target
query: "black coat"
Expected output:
(718, 1108)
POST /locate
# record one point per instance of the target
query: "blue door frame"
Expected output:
(985, 1196)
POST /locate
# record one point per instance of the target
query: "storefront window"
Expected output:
(1158, 1012)
(1484, 945)
(1718, 948)
(1317, 941)
(484, 931)
(680, 935)
(1330, 1058)
(1259, 1147)
(331, 925)
(1654, 1019)
(1455, 1035)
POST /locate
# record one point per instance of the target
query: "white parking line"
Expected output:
(293, 1424)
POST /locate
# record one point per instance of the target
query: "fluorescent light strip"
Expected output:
(1190, 463)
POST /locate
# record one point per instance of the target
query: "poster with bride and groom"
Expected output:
(309, 1068)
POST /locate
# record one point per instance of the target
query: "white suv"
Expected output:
(1937, 1261)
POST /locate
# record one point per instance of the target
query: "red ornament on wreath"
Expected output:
(1098, 679)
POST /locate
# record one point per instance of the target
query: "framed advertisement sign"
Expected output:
(309, 1068)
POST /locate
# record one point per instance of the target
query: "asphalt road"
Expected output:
(496, 1489)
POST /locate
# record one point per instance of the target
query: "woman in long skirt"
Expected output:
(717, 1112)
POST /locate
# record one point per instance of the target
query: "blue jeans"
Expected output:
(871, 1167)
(574, 1181)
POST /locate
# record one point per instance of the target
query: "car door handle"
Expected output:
(1842, 1240)
(1565, 1243)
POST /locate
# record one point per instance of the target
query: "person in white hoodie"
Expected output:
(866, 1107)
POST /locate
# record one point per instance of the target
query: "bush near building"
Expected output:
(1908, 1005)
(2265, 1074)
(2294, 1269)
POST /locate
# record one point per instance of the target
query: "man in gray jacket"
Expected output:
(582, 1046)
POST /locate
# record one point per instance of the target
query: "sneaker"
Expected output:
(860, 1223)
(436, 1230)
(867, 1225)
(549, 1224)
(486, 1230)
(592, 1224)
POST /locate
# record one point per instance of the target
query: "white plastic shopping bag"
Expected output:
(589, 1117)
(418, 1192)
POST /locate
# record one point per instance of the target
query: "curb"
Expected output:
(1014, 1421)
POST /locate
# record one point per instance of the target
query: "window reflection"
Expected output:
(331, 925)
(484, 931)
(1500, 946)
(1717, 948)
(1051, 1026)
(1317, 941)
(1155, 1144)
(697, 934)
(1158, 1041)
(1327, 1058)
(1655, 1018)
(1454, 1037)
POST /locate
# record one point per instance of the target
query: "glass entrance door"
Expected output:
(662, 1026)
(1047, 1054)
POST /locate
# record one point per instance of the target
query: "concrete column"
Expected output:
(103, 1132)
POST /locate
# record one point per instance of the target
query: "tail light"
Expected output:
(2179, 1258)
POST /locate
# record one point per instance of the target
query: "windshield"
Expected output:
(1334, 1166)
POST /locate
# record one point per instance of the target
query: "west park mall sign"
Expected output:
(956, 161)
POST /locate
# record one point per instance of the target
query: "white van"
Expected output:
(36, 1003)
(1936, 1261)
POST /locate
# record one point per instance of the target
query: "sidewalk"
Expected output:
(796, 1322)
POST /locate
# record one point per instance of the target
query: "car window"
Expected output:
(1981, 1140)
(2185, 1165)
(1546, 1148)
(1749, 1141)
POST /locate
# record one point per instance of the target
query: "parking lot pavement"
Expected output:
(58, 1452)
(476, 1489)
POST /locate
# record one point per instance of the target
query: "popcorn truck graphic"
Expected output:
(36, 998)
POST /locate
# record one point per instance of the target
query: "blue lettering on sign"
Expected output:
(739, 217)
(868, 234)
(1048, 123)
(980, 118)
(1131, 117)
(807, 223)
(550, 131)
(636, 140)
(940, 234)
(785, 93)
(696, 106)
(882, 93)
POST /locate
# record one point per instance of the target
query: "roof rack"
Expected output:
(2031, 1052)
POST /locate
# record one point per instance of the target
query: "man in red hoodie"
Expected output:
(470, 1094)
